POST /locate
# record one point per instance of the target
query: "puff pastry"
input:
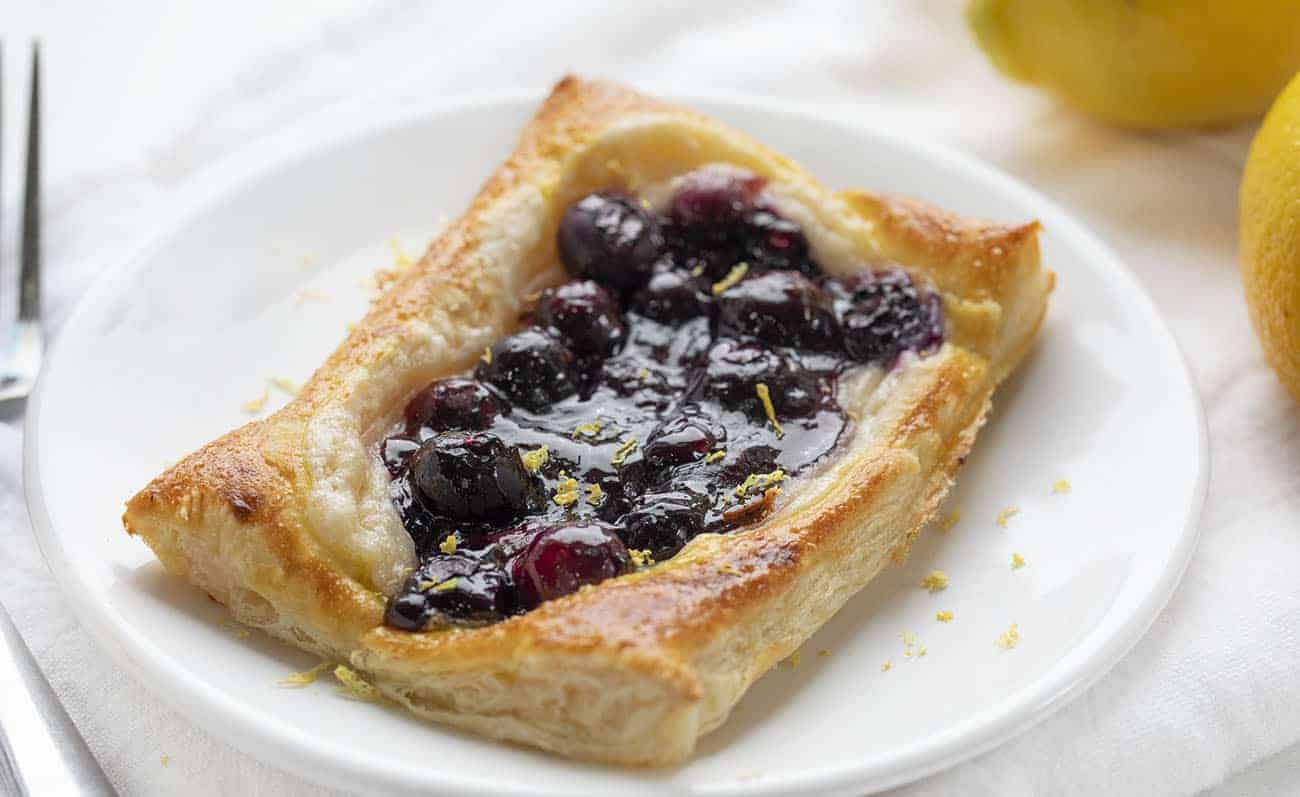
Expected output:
(287, 521)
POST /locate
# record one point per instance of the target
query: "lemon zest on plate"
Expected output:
(254, 406)
(297, 680)
(935, 581)
(1009, 638)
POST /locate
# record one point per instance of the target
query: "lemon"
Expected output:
(1270, 236)
(1147, 63)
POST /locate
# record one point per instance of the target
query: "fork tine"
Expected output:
(29, 296)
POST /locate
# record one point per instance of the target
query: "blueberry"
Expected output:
(561, 559)
(453, 403)
(456, 587)
(735, 368)
(533, 368)
(882, 314)
(664, 522)
(584, 315)
(672, 294)
(609, 238)
(780, 307)
(713, 199)
(774, 243)
(680, 440)
(472, 477)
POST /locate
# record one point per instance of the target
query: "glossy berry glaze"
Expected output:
(687, 369)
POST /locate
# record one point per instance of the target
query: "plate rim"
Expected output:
(282, 746)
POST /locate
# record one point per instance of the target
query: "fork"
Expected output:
(26, 343)
(41, 751)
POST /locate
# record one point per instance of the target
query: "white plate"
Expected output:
(261, 277)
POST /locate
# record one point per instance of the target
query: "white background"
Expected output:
(141, 96)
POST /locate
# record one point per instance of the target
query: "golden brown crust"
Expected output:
(631, 671)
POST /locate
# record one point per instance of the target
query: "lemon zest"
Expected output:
(755, 480)
(714, 456)
(286, 385)
(935, 581)
(1009, 638)
(1006, 514)
(448, 545)
(401, 259)
(736, 274)
(623, 451)
(535, 459)
(1017, 561)
(765, 396)
(595, 494)
(297, 680)
(590, 429)
(353, 686)
(943, 617)
(641, 558)
(566, 492)
(254, 406)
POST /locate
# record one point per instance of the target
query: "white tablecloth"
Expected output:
(140, 96)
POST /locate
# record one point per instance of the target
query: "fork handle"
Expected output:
(40, 748)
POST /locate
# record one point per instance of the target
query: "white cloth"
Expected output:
(140, 96)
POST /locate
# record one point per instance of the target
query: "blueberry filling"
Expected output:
(689, 367)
